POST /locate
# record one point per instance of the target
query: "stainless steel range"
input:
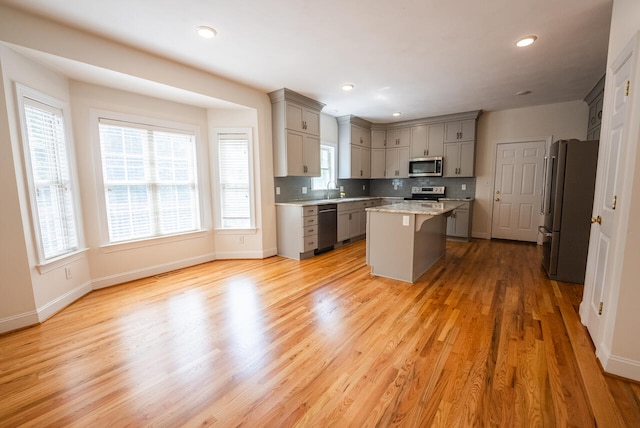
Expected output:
(428, 193)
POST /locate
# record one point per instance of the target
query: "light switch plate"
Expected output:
(277, 190)
(464, 187)
(304, 189)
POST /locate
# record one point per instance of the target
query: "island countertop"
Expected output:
(418, 207)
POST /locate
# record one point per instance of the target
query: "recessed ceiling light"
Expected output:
(206, 32)
(527, 92)
(526, 41)
(347, 87)
(398, 113)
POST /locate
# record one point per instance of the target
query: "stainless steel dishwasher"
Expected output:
(327, 227)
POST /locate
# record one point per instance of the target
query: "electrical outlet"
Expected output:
(277, 190)
(67, 272)
(341, 189)
(464, 187)
(395, 186)
(304, 190)
(364, 187)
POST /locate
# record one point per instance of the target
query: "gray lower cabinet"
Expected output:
(297, 230)
(459, 222)
(352, 218)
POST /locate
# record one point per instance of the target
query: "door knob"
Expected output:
(596, 220)
(497, 192)
(497, 199)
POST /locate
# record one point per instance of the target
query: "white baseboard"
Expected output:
(229, 255)
(620, 366)
(63, 301)
(15, 322)
(120, 278)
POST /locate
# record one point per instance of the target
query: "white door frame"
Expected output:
(548, 139)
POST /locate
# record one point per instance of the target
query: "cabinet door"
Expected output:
(392, 138)
(356, 172)
(467, 130)
(598, 112)
(354, 224)
(466, 159)
(451, 224)
(436, 140)
(311, 155)
(419, 145)
(365, 162)
(366, 137)
(452, 131)
(378, 166)
(363, 222)
(404, 137)
(356, 135)
(451, 159)
(462, 223)
(403, 162)
(343, 226)
(294, 117)
(295, 149)
(392, 162)
(378, 139)
(311, 121)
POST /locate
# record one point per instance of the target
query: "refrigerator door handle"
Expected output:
(543, 200)
(544, 232)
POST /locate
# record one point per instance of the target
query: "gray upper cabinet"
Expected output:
(594, 100)
(427, 140)
(296, 134)
(354, 147)
(460, 130)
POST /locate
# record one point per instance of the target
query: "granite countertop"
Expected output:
(418, 207)
(456, 199)
(328, 201)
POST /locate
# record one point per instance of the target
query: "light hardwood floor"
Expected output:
(482, 339)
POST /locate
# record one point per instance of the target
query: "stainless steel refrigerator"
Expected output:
(567, 205)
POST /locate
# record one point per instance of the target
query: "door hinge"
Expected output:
(600, 309)
(626, 91)
(615, 201)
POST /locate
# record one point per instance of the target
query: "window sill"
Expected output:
(130, 245)
(60, 261)
(247, 231)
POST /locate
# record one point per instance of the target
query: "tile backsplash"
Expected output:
(291, 187)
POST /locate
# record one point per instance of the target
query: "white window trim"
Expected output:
(22, 92)
(335, 164)
(95, 116)
(215, 181)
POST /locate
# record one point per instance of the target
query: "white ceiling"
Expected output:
(421, 57)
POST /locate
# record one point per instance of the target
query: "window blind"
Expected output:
(234, 180)
(51, 179)
(150, 180)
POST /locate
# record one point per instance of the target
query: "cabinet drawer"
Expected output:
(310, 243)
(310, 210)
(311, 220)
(310, 230)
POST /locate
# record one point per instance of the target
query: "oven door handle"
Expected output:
(541, 229)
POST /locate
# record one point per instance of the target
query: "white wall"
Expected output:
(27, 295)
(31, 296)
(559, 121)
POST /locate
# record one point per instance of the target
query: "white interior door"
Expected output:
(518, 190)
(610, 171)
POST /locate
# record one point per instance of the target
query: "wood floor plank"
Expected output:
(482, 339)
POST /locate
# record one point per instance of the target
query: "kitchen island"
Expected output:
(404, 240)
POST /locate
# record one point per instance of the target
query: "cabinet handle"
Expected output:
(360, 173)
(600, 114)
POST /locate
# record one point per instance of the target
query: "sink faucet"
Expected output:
(329, 189)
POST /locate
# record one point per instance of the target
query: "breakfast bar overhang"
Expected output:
(404, 240)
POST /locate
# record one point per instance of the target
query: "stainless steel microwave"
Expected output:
(425, 167)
